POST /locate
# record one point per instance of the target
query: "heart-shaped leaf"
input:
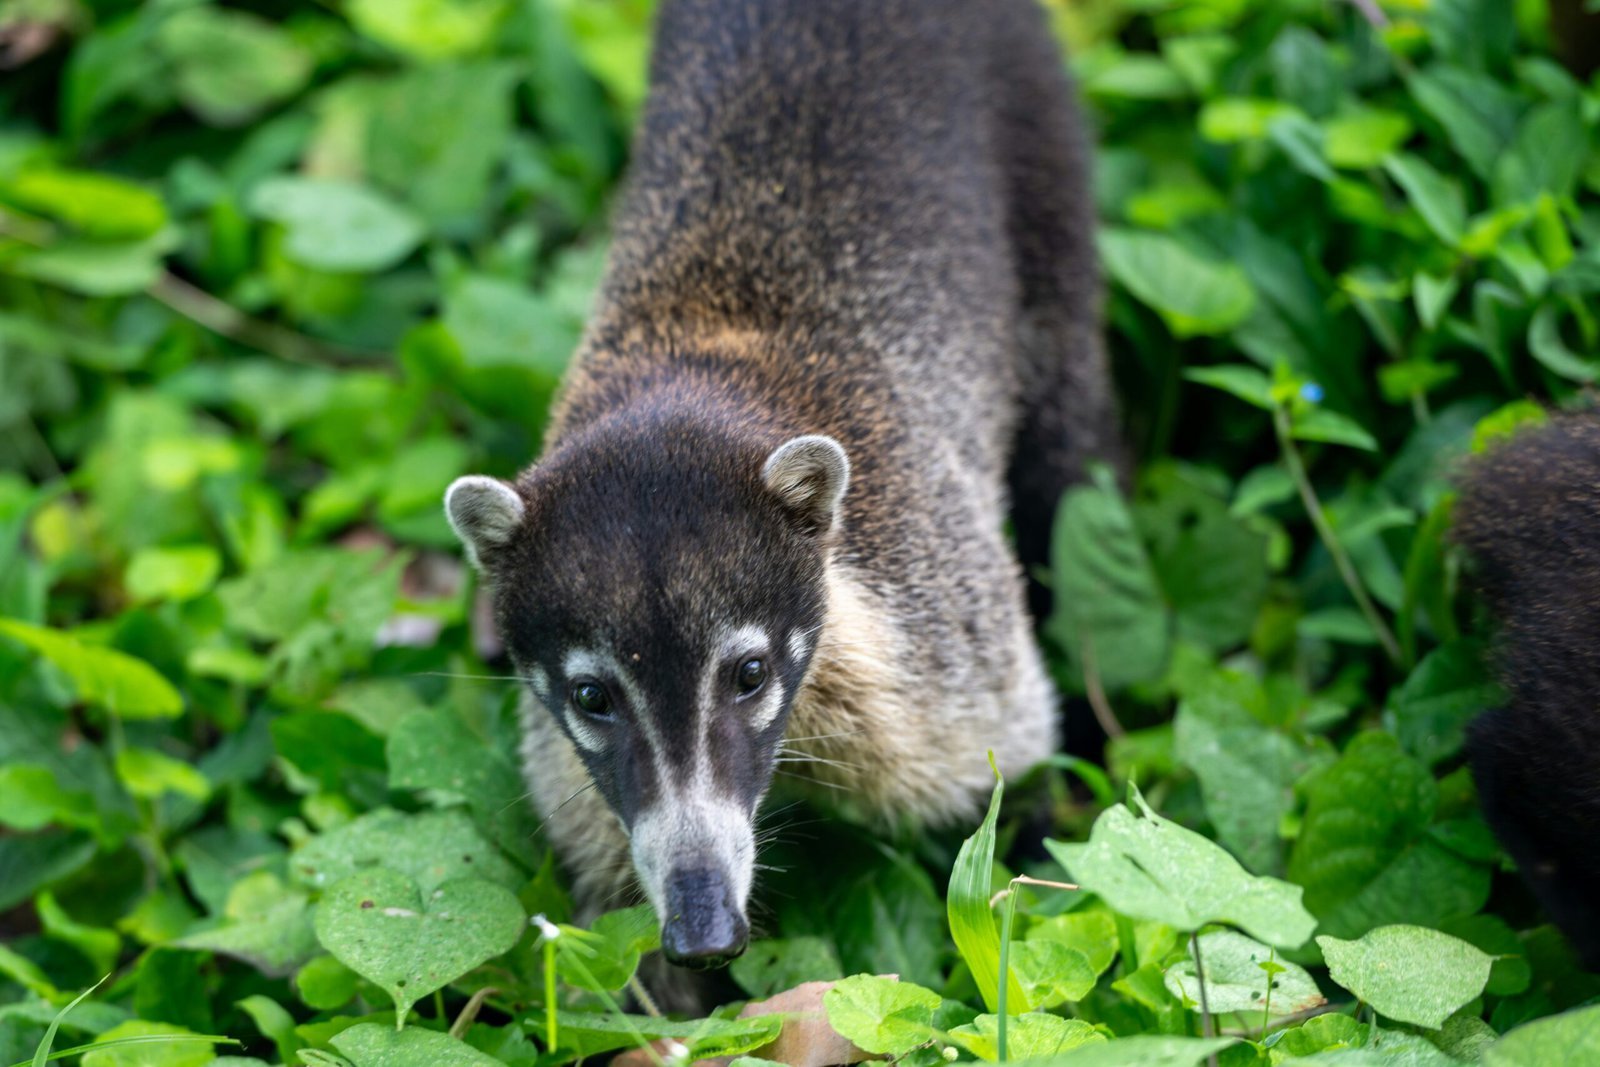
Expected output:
(379, 925)
(371, 1045)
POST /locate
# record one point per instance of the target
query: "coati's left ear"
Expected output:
(484, 512)
(809, 474)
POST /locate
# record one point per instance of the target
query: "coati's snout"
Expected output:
(661, 589)
(703, 925)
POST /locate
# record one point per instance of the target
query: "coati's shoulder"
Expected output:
(1529, 518)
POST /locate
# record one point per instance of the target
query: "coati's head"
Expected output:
(660, 587)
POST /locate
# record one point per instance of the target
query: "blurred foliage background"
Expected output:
(273, 273)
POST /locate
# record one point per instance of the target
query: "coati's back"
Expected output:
(1529, 515)
(850, 309)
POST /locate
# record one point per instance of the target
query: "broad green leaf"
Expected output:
(32, 798)
(500, 323)
(1478, 115)
(972, 920)
(1145, 1050)
(1438, 199)
(1247, 770)
(1031, 1036)
(428, 848)
(433, 749)
(336, 225)
(99, 268)
(1551, 147)
(274, 1022)
(1149, 868)
(1236, 980)
(1363, 853)
(430, 29)
(1231, 119)
(370, 1045)
(1091, 931)
(230, 65)
(1544, 341)
(148, 774)
(265, 923)
(1247, 383)
(127, 687)
(1360, 138)
(99, 206)
(1050, 972)
(410, 943)
(325, 984)
(1320, 424)
(1193, 294)
(608, 952)
(181, 572)
(1447, 690)
(881, 1015)
(1570, 1038)
(1409, 973)
(1109, 616)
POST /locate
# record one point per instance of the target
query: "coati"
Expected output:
(1529, 516)
(850, 318)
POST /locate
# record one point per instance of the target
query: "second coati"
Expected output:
(1529, 515)
(850, 323)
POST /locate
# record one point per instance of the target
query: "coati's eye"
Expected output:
(591, 698)
(752, 672)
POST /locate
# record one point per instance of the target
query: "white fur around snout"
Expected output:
(810, 475)
(484, 512)
(690, 832)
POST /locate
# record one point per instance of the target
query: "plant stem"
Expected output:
(1205, 1005)
(1330, 539)
(552, 1041)
(1103, 713)
(223, 318)
(1005, 974)
(470, 1012)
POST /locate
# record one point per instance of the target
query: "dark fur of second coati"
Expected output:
(850, 324)
(1529, 515)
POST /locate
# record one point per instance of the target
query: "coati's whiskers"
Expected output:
(824, 737)
(470, 677)
(576, 793)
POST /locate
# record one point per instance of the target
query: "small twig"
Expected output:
(1372, 13)
(642, 995)
(1103, 714)
(223, 318)
(470, 1012)
(1205, 1006)
(1330, 538)
(1024, 879)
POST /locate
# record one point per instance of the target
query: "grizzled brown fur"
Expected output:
(865, 219)
(1529, 515)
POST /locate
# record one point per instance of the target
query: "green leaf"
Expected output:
(181, 572)
(1031, 1036)
(1544, 341)
(1193, 294)
(1359, 138)
(881, 1015)
(1051, 973)
(1232, 119)
(337, 226)
(1330, 427)
(99, 206)
(430, 29)
(1478, 115)
(370, 1045)
(274, 1022)
(31, 798)
(1363, 853)
(1236, 980)
(1145, 1051)
(1247, 383)
(1447, 690)
(1092, 932)
(1247, 770)
(266, 923)
(500, 323)
(149, 774)
(127, 687)
(428, 848)
(1547, 156)
(1109, 615)
(99, 268)
(230, 65)
(972, 920)
(326, 984)
(1570, 1038)
(1409, 973)
(1438, 199)
(380, 925)
(1149, 868)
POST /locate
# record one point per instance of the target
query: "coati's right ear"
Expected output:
(809, 474)
(484, 512)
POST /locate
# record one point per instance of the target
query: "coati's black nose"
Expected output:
(703, 928)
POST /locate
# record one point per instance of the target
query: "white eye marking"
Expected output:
(799, 645)
(769, 703)
(539, 681)
(584, 731)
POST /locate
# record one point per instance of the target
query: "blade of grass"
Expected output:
(41, 1055)
(140, 1039)
(972, 923)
